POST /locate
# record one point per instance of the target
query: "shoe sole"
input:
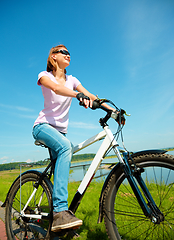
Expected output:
(67, 226)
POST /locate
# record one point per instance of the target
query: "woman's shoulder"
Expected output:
(44, 73)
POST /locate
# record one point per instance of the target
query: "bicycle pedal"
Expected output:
(73, 234)
(75, 228)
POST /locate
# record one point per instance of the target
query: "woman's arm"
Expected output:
(80, 88)
(64, 91)
(57, 88)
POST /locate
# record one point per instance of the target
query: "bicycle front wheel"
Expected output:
(124, 218)
(19, 227)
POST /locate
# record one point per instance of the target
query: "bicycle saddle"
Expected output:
(37, 143)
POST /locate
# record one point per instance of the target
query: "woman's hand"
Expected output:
(84, 100)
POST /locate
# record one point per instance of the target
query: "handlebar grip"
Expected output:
(96, 104)
(81, 104)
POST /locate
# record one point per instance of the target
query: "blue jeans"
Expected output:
(62, 150)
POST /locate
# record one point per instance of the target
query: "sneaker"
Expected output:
(65, 220)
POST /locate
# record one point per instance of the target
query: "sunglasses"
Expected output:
(65, 52)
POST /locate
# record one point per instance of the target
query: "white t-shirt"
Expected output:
(56, 107)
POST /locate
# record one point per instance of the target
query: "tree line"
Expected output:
(16, 165)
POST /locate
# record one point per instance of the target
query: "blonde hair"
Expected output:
(51, 64)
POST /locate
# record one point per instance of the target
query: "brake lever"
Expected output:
(126, 114)
(98, 102)
(120, 117)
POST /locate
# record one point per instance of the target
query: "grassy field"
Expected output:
(89, 207)
(6, 179)
(87, 211)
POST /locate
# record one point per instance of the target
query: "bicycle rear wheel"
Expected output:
(123, 216)
(18, 227)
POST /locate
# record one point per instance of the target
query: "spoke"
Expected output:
(126, 205)
(170, 225)
(131, 200)
(161, 188)
(165, 232)
(130, 214)
(166, 184)
(149, 231)
(132, 222)
(169, 210)
(134, 228)
(155, 179)
(17, 199)
(171, 219)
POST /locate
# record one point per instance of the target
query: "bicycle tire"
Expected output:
(123, 215)
(18, 227)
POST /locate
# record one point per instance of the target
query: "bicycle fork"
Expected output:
(149, 209)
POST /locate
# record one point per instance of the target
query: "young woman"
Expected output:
(51, 125)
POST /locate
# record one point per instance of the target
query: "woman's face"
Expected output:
(62, 57)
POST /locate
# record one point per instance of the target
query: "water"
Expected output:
(78, 169)
(171, 152)
(77, 173)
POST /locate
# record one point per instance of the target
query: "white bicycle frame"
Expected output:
(108, 141)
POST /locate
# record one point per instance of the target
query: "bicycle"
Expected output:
(136, 200)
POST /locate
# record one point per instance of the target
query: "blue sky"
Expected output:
(121, 50)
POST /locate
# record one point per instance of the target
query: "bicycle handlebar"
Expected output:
(118, 115)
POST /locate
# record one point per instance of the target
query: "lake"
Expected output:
(78, 169)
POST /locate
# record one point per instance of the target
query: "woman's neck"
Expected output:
(59, 76)
(59, 73)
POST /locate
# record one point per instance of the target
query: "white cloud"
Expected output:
(19, 108)
(19, 111)
(4, 158)
(29, 161)
(28, 116)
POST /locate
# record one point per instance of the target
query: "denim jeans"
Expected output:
(62, 149)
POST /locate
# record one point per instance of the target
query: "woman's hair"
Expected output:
(51, 64)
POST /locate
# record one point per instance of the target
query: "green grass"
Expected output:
(6, 179)
(88, 209)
